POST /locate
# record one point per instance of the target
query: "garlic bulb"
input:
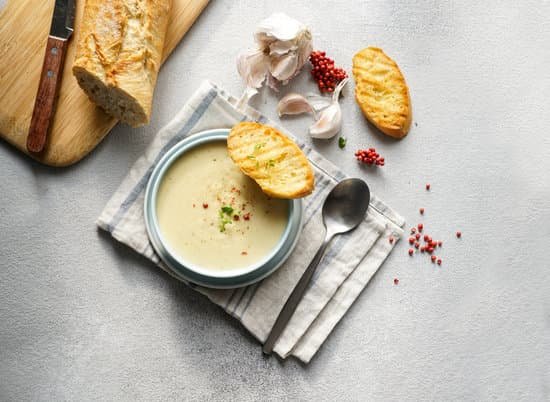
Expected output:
(329, 122)
(283, 46)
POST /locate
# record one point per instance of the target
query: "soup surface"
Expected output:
(214, 216)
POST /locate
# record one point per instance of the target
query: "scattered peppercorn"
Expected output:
(236, 217)
(391, 239)
(428, 187)
(421, 211)
(395, 281)
(413, 230)
(324, 72)
(417, 236)
(204, 205)
(411, 251)
(420, 227)
(369, 157)
(459, 234)
(246, 216)
(440, 243)
(434, 258)
(411, 240)
(416, 244)
(439, 261)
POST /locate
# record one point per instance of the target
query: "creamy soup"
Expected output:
(214, 216)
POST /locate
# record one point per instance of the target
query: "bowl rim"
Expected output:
(193, 272)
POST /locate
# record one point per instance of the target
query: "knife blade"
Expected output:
(61, 29)
(63, 19)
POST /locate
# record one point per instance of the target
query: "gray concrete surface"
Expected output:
(82, 318)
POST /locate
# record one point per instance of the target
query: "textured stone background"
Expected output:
(83, 318)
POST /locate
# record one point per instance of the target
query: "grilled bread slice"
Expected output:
(381, 92)
(271, 159)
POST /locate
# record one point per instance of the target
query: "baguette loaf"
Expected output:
(119, 54)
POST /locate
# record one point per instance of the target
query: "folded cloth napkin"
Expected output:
(349, 263)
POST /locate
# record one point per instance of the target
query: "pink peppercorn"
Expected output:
(324, 72)
(411, 251)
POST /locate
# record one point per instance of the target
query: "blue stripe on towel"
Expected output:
(138, 188)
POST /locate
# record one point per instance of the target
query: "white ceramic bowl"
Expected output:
(199, 275)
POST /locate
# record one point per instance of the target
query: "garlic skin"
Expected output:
(293, 104)
(329, 122)
(253, 67)
(283, 46)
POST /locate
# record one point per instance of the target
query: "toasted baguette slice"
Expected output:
(271, 159)
(381, 92)
(119, 53)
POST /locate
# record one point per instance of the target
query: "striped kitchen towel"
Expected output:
(350, 262)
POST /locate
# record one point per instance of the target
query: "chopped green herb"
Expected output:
(342, 142)
(225, 218)
(258, 146)
(227, 209)
(270, 163)
(251, 157)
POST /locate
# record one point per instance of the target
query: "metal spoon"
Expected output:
(344, 208)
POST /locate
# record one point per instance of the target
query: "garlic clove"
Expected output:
(253, 67)
(329, 123)
(330, 118)
(285, 67)
(280, 48)
(318, 102)
(293, 104)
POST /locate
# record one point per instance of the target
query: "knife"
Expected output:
(50, 78)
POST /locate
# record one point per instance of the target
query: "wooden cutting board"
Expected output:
(78, 125)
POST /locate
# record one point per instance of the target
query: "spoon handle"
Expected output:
(292, 302)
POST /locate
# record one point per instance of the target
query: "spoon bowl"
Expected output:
(346, 206)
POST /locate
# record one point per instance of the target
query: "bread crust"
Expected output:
(381, 92)
(119, 53)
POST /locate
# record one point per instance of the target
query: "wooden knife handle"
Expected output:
(48, 90)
